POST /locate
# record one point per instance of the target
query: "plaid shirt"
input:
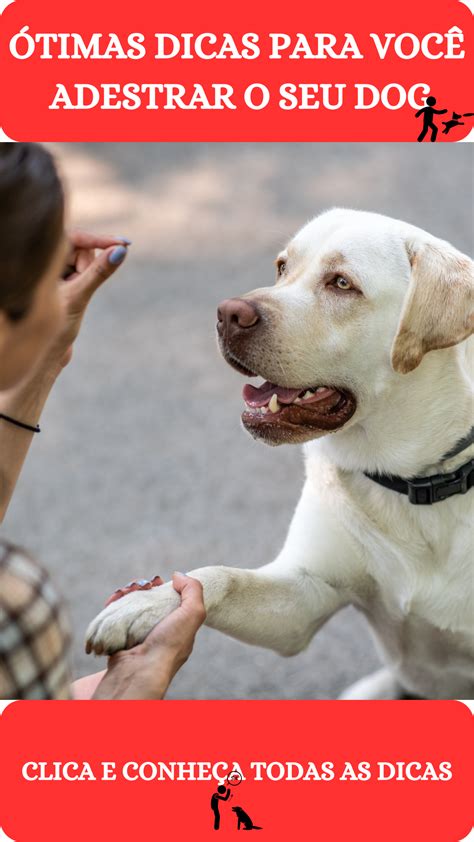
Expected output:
(34, 632)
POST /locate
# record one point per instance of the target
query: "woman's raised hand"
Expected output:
(85, 272)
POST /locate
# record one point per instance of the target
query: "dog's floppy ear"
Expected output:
(438, 310)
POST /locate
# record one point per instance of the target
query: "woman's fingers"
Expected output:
(135, 585)
(82, 250)
(170, 642)
(84, 240)
(101, 268)
(177, 631)
(83, 260)
(192, 600)
(78, 261)
(89, 271)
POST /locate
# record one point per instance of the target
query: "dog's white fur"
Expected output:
(408, 568)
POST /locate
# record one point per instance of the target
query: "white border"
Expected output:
(470, 137)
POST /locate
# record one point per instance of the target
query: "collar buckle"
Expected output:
(437, 488)
(420, 492)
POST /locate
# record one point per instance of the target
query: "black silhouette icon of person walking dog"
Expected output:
(429, 111)
(223, 793)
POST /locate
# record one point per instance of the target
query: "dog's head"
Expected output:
(359, 299)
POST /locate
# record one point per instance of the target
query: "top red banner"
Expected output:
(236, 72)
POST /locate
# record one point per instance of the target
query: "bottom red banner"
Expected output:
(183, 770)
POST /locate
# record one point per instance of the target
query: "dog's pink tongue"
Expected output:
(260, 396)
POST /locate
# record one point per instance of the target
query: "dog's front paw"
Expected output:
(128, 620)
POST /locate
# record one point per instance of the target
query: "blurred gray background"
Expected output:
(142, 467)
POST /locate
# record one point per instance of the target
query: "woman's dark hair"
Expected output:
(31, 222)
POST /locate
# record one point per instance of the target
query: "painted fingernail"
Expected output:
(118, 255)
(124, 240)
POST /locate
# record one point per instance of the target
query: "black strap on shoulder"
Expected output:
(465, 442)
(427, 490)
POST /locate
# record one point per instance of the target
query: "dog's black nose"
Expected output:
(235, 315)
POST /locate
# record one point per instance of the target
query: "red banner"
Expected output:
(232, 72)
(375, 771)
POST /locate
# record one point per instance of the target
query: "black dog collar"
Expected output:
(423, 491)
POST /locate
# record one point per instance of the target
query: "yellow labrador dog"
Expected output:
(362, 346)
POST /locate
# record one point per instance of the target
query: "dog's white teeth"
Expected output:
(258, 410)
(307, 394)
(297, 400)
(273, 406)
(321, 389)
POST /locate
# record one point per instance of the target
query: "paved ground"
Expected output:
(142, 466)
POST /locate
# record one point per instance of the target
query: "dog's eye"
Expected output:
(342, 283)
(281, 267)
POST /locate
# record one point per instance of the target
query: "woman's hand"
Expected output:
(84, 274)
(146, 671)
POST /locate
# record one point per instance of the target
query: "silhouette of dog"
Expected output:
(244, 818)
(454, 121)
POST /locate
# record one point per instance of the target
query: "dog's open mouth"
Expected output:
(279, 414)
(283, 415)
